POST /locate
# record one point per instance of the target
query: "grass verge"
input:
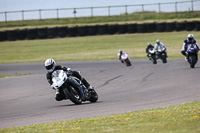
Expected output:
(16, 74)
(123, 18)
(179, 118)
(90, 47)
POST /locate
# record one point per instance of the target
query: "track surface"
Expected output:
(26, 100)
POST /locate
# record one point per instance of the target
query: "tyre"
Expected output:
(94, 96)
(164, 58)
(132, 28)
(42, 33)
(73, 95)
(192, 61)
(62, 31)
(161, 27)
(128, 63)
(32, 34)
(154, 60)
(3, 36)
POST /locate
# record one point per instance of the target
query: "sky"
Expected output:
(16, 5)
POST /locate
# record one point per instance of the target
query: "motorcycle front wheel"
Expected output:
(192, 61)
(73, 95)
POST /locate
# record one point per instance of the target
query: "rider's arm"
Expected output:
(48, 76)
(184, 45)
(60, 67)
(156, 47)
(197, 44)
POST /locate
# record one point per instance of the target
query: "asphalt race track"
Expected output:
(26, 100)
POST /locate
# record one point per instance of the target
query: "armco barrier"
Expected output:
(150, 27)
(170, 26)
(180, 26)
(42, 33)
(32, 34)
(141, 28)
(122, 28)
(12, 35)
(112, 29)
(62, 31)
(161, 27)
(102, 29)
(132, 28)
(3, 36)
(52, 32)
(82, 30)
(72, 31)
(92, 30)
(22, 34)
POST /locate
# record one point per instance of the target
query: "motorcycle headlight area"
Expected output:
(56, 79)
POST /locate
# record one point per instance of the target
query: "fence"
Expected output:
(99, 11)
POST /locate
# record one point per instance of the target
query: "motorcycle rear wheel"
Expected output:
(94, 96)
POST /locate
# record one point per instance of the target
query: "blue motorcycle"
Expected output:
(192, 55)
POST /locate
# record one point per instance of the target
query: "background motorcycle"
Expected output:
(152, 55)
(125, 59)
(162, 54)
(72, 87)
(192, 51)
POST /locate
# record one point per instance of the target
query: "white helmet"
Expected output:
(50, 65)
(190, 36)
(158, 41)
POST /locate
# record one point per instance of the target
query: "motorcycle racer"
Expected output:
(149, 46)
(158, 45)
(51, 66)
(189, 40)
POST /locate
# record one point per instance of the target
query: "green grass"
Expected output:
(124, 18)
(179, 118)
(91, 47)
(16, 74)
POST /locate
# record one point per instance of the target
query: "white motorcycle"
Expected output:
(162, 54)
(152, 55)
(125, 59)
(72, 87)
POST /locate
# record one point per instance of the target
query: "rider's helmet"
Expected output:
(190, 37)
(120, 51)
(158, 42)
(50, 65)
(149, 44)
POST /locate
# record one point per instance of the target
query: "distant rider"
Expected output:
(189, 40)
(51, 66)
(149, 46)
(120, 55)
(159, 45)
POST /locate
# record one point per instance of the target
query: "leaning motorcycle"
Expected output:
(125, 59)
(162, 54)
(72, 87)
(192, 53)
(152, 55)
